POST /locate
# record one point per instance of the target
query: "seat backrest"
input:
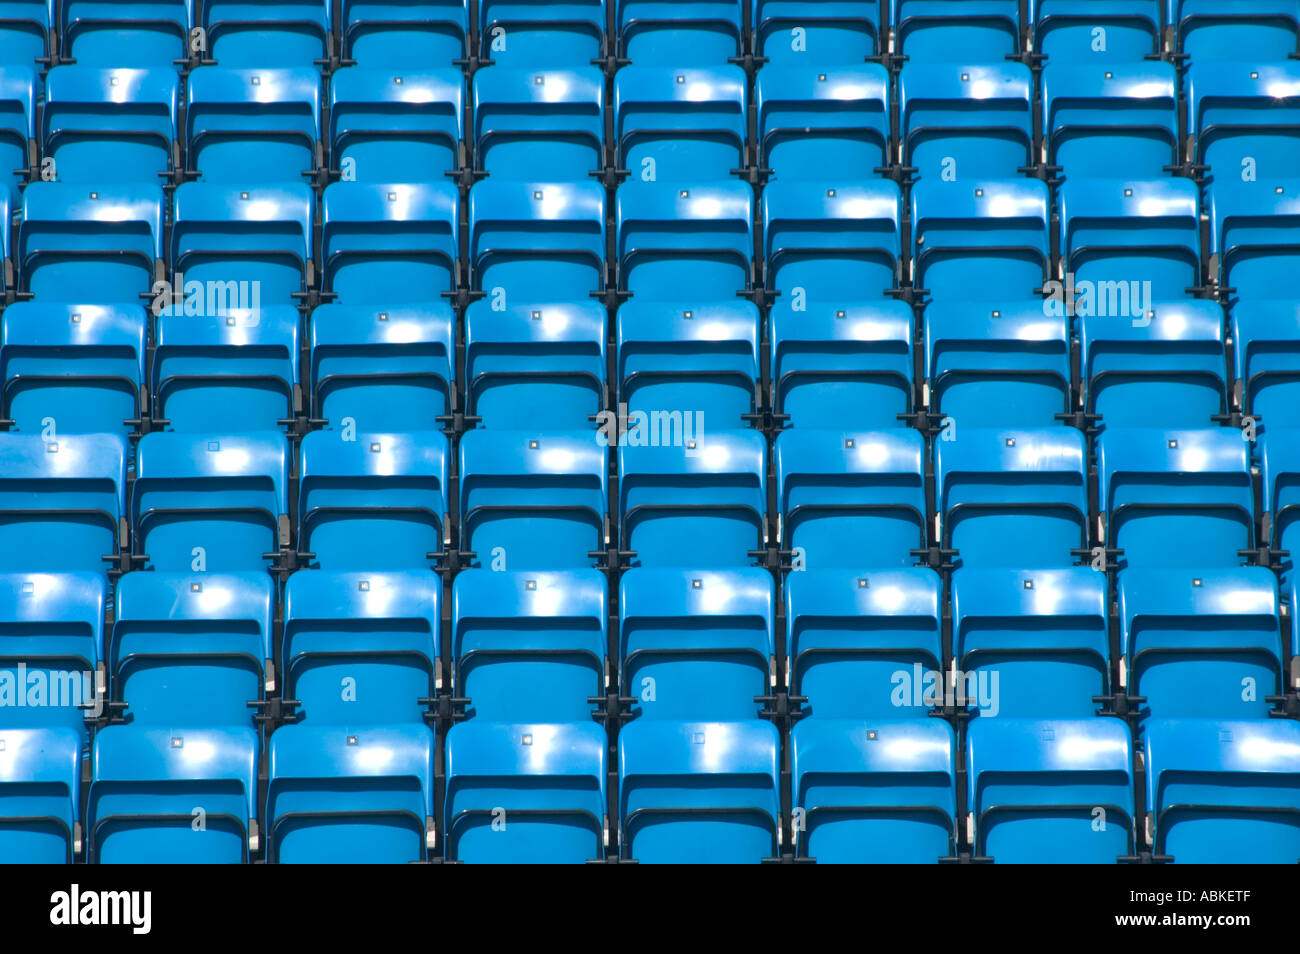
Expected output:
(1266, 355)
(1252, 234)
(1245, 117)
(1110, 32)
(817, 121)
(281, 33)
(815, 32)
(539, 125)
(679, 124)
(103, 33)
(404, 128)
(40, 794)
(406, 34)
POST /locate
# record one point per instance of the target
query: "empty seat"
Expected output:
(361, 647)
(341, 795)
(1245, 118)
(554, 33)
(1176, 498)
(24, 31)
(529, 645)
(150, 33)
(1205, 30)
(403, 34)
(525, 793)
(677, 123)
(1266, 355)
(698, 792)
(538, 365)
(874, 793)
(532, 499)
(1102, 31)
(815, 32)
(279, 33)
(403, 128)
(675, 32)
(372, 500)
(40, 796)
(539, 125)
(17, 125)
(1279, 467)
(208, 502)
(697, 644)
(932, 31)
(1252, 235)
(851, 498)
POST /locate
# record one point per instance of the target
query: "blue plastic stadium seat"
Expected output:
(533, 499)
(210, 502)
(829, 239)
(372, 500)
(389, 244)
(874, 793)
(937, 31)
(1012, 498)
(1105, 119)
(1252, 234)
(182, 794)
(984, 241)
(237, 370)
(842, 365)
(815, 32)
(61, 501)
(1176, 498)
(538, 365)
(252, 126)
(1208, 30)
(255, 33)
(677, 123)
(1098, 31)
(530, 236)
(40, 796)
(679, 32)
(539, 125)
(1245, 117)
(1030, 643)
(542, 33)
(361, 647)
(1051, 791)
(1224, 792)
(259, 237)
(374, 366)
(698, 792)
(345, 795)
(683, 358)
(857, 640)
(1006, 365)
(404, 34)
(80, 242)
(24, 31)
(1266, 353)
(75, 368)
(525, 793)
(964, 122)
(1279, 466)
(819, 122)
(403, 128)
(694, 500)
(851, 498)
(697, 644)
(17, 126)
(138, 33)
(191, 648)
(529, 645)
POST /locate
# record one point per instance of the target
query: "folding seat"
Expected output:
(282, 33)
(526, 236)
(851, 498)
(1245, 117)
(1266, 355)
(72, 368)
(539, 125)
(529, 645)
(232, 371)
(191, 648)
(389, 244)
(24, 31)
(819, 122)
(932, 31)
(17, 125)
(532, 499)
(525, 793)
(89, 243)
(259, 237)
(372, 500)
(362, 647)
(698, 792)
(40, 796)
(403, 34)
(692, 242)
(1224, 791)
(966, 122)
(696, 500)
(882, 793)
(677, 32)
(405, 128)
(980, 241)
(1099, 31)
(1252, 235)
(1007, 365)
(1030, 643)
(687, 360)
(697, 644)
(1001, 486)
(542, 33)
(1139, 234)
(842, 365)
(1111, 120)
(389, 366)
(533, 366)
(832, 240)
(252, 126)
(104, 33)
(1050, 791)
(210, 502)
(1279, 468)
(815, 32)
(350, 795)
(680, 124)
(61, 501)
(1208, 30)
(860, 644)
